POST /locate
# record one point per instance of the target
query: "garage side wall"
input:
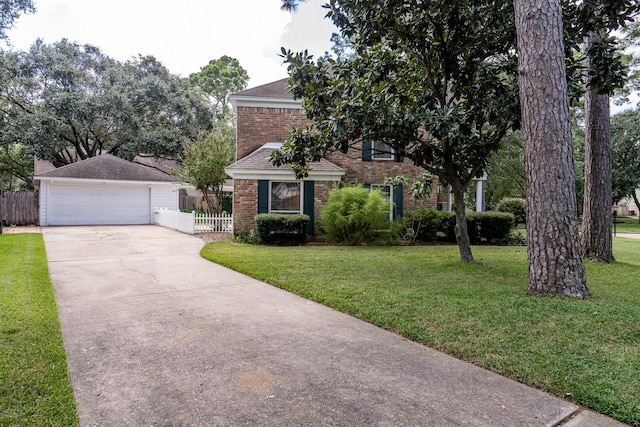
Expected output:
(42, 200)
(164, 196)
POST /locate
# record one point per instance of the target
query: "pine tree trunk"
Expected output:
(554, 256)
(462, 233)
(596, 220)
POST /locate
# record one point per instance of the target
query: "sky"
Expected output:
(183, 35)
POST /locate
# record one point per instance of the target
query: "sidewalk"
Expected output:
(157, 336)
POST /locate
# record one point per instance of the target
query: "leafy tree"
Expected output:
(555, 259)
(435, 81)
(625, 132)
(66, 102)
(291, 5)
(15, 162)
(505, 173)
(605, 72)
(219, 78)
(10, 10)
(204, 160)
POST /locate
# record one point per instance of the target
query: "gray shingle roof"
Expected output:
(109, 167)
(277, 89)
(259, 161)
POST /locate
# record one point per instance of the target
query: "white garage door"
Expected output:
(97, 204)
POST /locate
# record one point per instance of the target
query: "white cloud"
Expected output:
(186, 35)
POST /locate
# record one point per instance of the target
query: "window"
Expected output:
(387, 191)
(285, 197)
(381, 151)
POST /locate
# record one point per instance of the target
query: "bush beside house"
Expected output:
(282, 229)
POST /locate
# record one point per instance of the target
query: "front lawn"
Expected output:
(584, 351)
(627, 224)
(34, 381)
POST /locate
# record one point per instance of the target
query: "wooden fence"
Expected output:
(19, 208)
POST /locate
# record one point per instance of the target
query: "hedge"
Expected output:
(282, 229)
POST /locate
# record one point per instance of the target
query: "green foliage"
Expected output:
(282, 229)
(582, 350)
(515, 206)
(436, 81)
(490, 227)
(625, 141)
(428, 224)
(16, 167)
(219, 78)
(10, 10)
(204, 160)
(35, 386)
(66, 102)
(355, 215)
(505, 173)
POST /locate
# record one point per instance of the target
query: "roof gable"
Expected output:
(108, 167)
(277, 89)
(258, 166)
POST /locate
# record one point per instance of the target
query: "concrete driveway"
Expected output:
(157, 336)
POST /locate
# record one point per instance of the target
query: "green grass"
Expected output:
(627, 224)
(585, 351)
(35, 389)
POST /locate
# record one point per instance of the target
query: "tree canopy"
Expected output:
(625, 136)
(204, 161)
(66, 102)
(10, 10)
(435, 81)
(219, 78)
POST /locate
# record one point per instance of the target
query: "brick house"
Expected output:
(265, 116)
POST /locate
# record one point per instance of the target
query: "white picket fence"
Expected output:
(192, 223)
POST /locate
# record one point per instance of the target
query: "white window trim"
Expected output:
(301, 198)
(391, 198)
(375, 152)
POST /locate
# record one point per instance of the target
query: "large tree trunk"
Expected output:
(555, 259)
(596, 219)
(462, 234)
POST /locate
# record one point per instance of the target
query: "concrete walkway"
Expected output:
(157, 336)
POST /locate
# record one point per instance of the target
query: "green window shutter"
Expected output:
(397, 200)
(366, 185)
(263, 196)
(366, 150)
(308, 202)
(399, 158)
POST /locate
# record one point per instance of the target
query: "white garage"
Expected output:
(104, 190)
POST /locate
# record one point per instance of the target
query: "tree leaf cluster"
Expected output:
(435, 81)
(204, 160)
(219, 78)
(10, 10)
(625, 139)
(67, 102)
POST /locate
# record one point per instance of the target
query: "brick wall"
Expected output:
(245, 204)
(257, 126)
(374, 172)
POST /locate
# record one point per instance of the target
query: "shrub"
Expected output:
(355, 215)
(489, 227)
(514, 206)
(282, 229)
(426, 223)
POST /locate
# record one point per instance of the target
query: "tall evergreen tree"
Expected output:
(554, 256)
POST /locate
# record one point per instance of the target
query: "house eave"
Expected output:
(285, 175)
(53, 179)
(263, 101)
